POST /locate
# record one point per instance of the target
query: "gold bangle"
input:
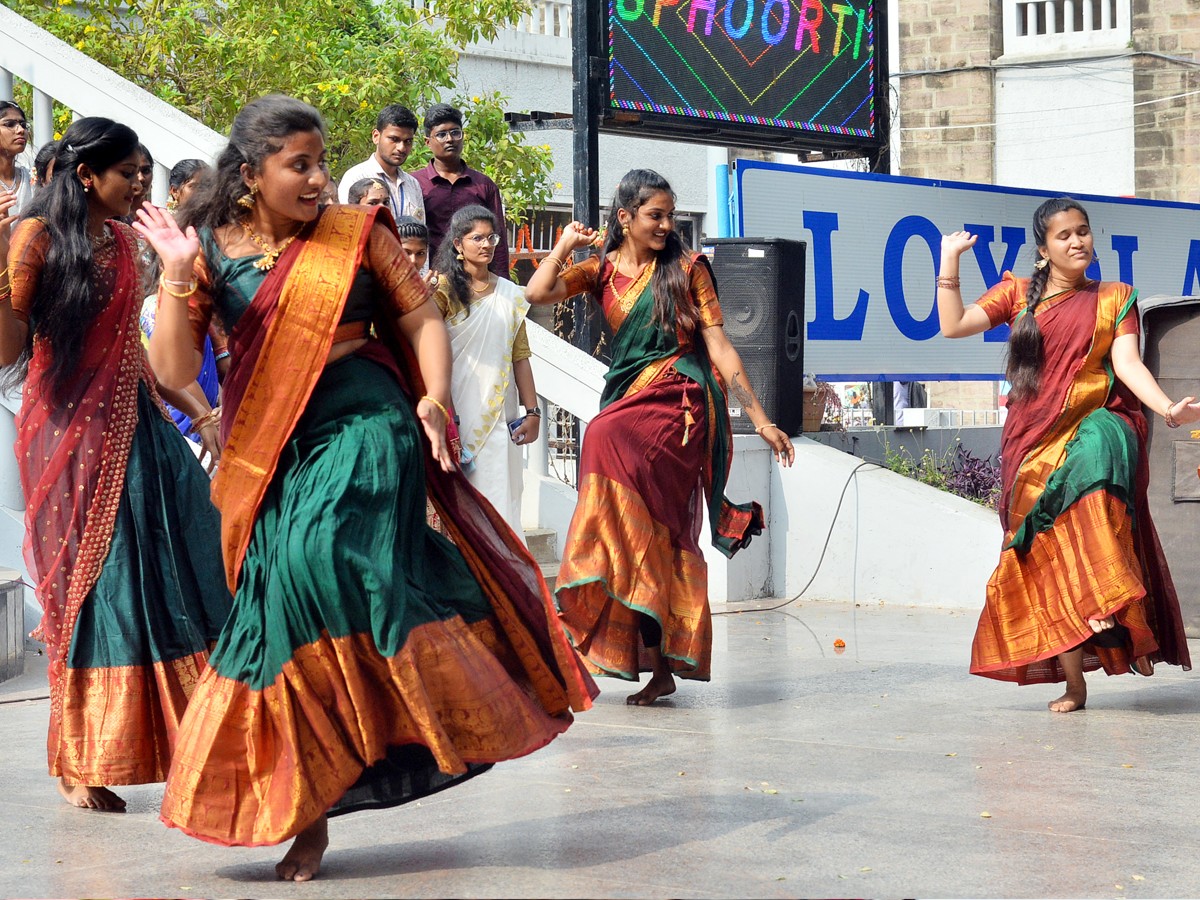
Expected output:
(192, 285)
(759, 429)
(948, 281)
(550, 257)
(434, 401)
(212, 417)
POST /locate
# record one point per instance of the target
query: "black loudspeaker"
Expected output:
(761, 285)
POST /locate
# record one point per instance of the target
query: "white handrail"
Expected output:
(565, 375)
(57, 70)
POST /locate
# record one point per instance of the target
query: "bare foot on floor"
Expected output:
(1099, 625)
(86, 797)
(659, 685)
(302, 862)
(1071, 701)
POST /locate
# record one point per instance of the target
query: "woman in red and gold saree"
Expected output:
(1082, 582)
(368, 661)
(122, 539)
(633, 590)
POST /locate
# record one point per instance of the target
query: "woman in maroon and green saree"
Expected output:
(1082, 583)
(633, 587)
(368, 661)
(122, 539)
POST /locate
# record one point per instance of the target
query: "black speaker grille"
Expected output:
(761, 285)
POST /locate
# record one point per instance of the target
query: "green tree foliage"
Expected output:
(349, 58)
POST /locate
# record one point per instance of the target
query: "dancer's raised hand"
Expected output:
(176, 248)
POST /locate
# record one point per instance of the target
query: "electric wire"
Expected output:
(852, 477)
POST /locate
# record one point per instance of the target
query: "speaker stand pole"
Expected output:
(588, 67)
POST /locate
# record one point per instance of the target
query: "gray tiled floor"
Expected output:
(796, 772)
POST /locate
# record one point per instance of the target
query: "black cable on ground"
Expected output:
(824, 547)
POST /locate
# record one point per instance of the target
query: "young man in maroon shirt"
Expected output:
(448, 183)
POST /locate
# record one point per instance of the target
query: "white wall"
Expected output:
(893, 540)
(1066, 127)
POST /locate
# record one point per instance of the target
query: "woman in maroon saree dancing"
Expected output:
(661, 446)
(1081, 583)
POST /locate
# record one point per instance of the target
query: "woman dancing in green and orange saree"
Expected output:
(632, 572)
(1082, 582)
(121, 537)
(368, 660)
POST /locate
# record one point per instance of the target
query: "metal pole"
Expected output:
(585, 34)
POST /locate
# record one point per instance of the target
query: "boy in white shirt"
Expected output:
(395, 129)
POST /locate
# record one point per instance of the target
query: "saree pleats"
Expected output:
(142, 635)
(363, 665)
(1079, 541)
(633, 546)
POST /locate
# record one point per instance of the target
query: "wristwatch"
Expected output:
(532, 411)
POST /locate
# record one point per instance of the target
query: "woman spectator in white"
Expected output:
(492, 375)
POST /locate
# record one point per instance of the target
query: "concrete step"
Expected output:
(550, 573)
(543, 544)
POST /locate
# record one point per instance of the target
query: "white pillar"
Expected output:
(43, 118)
(159, 190)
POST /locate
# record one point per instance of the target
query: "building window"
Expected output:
(1037, 27)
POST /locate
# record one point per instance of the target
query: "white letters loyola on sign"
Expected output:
(874, 245)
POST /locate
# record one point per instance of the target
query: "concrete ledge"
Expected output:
(12, 625)
(893, 540)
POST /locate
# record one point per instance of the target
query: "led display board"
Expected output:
(773, 73)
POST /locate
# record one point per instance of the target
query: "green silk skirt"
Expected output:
(361, 667)
(143, 632)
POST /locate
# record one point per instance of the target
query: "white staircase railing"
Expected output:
(566, 377)
(58, 72)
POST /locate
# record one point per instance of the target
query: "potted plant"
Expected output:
(821, 401)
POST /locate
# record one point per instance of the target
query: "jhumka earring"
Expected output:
(246, 201)
(1041, 264)
(172, 204)
(458, 256)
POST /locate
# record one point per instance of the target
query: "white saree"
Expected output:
(485, 394)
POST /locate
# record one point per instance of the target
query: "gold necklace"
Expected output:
(634, 291)
(270, 254)
(483, 290)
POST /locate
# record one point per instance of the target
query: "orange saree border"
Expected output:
(286, 372)
(119, 724)
(602, 614)
(438, 691)
(1039, 603)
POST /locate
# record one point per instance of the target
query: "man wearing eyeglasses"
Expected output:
(448, 184)
(14, 135)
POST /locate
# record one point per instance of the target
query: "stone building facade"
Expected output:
(947, 94)
(1167, 132)
(1099, 96)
